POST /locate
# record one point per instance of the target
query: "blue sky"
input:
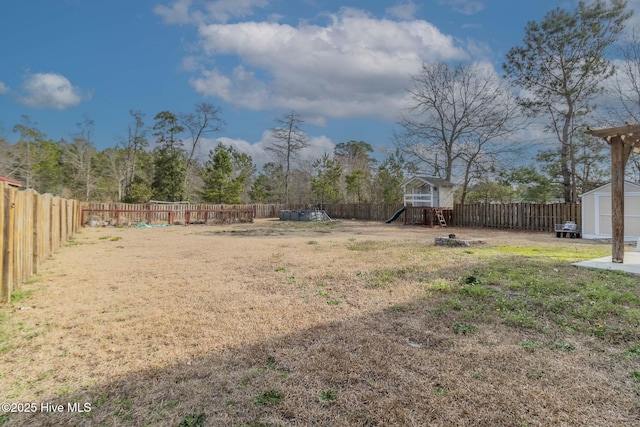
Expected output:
(344, 66)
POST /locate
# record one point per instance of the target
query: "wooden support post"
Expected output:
(619, 155)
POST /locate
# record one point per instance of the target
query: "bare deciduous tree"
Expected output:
(461, 122)
(79, 155)
(204, 121)
(30, 137)
(135, 142)
(289, 139)
(114, 163)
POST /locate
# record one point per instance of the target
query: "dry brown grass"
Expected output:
(168, 324)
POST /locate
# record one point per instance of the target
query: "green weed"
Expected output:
(32, 280)
(125, 406)
(193, 420)
(441, 285)
(271, 362)
(528, 345)
(633, 352)
(463, 328)
(268, 398)
(534, 374)
(367, 245)
(99, 401)
(328, 395)
(562, 346)
(479, 376)
(439, 391)
(20, 295)
(383, 277)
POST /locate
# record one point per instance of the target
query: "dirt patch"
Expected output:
(162, 325)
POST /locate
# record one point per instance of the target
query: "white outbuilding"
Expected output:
(596, 212)
(428, 191)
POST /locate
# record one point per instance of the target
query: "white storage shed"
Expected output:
(596, 212)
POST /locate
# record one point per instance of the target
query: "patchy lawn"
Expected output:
(329, 324)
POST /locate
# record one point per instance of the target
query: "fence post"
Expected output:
(3, 244)
(6, 286)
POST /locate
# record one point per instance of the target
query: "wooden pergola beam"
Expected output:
(629, 129)
(622, 140)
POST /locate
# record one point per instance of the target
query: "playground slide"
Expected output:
(395, 216)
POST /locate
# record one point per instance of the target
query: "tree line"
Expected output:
(464, 124)
(159, 161)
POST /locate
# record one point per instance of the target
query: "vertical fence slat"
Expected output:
(32, 226)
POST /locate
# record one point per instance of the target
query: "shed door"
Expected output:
(631, 215)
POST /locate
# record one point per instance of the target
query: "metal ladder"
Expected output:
(440, 216)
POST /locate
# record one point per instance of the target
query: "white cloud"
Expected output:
(190, 63)
(406, 10)
(466, 7)
(223, 10)
(182, 12)
(317, 147)
(4, 88)
(241, 88)
(177, 13)
(355, 66)
(50, 90)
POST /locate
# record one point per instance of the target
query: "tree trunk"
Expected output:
(565, 156)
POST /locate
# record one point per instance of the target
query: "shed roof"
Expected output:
(10, 181)
(627, 186)
(431, 180)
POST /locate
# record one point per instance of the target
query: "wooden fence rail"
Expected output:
(517, 216)
(151, 213)
(514, 216)
(33, 226)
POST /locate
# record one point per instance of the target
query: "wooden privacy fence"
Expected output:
(123, 213)
(364, 211)
(517, 216)
(150, 213)
(33, 226)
